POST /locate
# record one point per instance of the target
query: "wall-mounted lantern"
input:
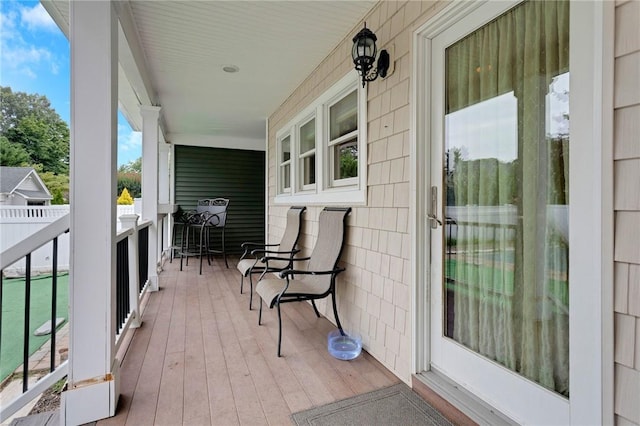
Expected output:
(364, 56)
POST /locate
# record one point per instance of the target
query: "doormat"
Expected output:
(395, 405)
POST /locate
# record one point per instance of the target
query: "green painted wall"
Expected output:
(224, 173)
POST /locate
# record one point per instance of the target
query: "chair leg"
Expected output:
(189, 232)
(315, 308)
(241, 282)
(224, 250)
(207, 244)
(335, 311)
(250, 290)
(279, 330)
(260, 313)
(182, 244)
(202, 230)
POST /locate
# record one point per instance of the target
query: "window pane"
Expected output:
(286, 149)
(308, 136)
(346, 159)
(506, 177)
(309, 170)
(343, 116)
(286, 176)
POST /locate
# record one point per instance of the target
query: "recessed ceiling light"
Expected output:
(230, 68)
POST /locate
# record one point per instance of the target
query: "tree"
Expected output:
(12, 154)
(348, 162)
(28, 121)
(131, 181)
(133, 166)
(130, 177)
(55, 183)
(57, 198)
(125, 198)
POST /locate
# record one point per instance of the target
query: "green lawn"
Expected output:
(498, 284)
(11, 340)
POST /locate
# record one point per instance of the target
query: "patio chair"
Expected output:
(210, 214)
(251, 260)
(315, 281)
(216, 212)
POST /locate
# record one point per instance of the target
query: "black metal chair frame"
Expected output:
(202, 221)
(287, 274)
(260, 251)
(216, 220)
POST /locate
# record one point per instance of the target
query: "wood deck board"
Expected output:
(201, 358)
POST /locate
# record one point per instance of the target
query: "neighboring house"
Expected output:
(492, 254)
(21, 186)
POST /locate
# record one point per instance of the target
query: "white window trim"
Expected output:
(280, 164)
(591, 212)
(351, 191)
(300, 156)
(332, 182)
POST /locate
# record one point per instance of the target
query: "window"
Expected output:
(343, 139)
(326, 140)
(307, 154)
(284, 160)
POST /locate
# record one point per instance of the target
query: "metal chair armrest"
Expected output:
(285, 273)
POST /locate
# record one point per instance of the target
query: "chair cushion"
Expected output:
(245, 264)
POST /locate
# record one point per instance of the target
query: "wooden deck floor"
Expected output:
(200, 357)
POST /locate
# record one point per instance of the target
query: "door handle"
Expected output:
(433, 208)
(434, 218)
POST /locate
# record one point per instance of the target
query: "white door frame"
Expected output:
(591, 212)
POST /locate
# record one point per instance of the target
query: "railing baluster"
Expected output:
(122, 284)
(143, 257)
(54, 300)
(27, 310)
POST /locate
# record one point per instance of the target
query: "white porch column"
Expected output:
(150, 133)
(164, 151)
(92, 378)
(164, 154)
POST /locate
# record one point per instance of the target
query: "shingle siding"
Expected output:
(374, 293)
(378, 232)
(627, 213)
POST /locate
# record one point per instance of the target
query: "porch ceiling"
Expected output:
(176, 50)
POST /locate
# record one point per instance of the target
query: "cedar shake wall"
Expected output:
(627, 212)
(374, 292)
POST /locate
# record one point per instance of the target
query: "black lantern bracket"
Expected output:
(384, 66)
(385, 62)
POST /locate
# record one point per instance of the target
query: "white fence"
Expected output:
(472, 220)
(19, 222)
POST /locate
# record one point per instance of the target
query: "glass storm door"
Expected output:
(499, 191)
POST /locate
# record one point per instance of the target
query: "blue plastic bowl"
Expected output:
(344, 347)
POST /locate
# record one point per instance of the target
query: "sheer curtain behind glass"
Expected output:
(506, 179)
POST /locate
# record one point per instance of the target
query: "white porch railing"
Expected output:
(133, 257)
(19, 222)
(50, 234)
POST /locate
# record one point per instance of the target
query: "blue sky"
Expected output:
(35, 59)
